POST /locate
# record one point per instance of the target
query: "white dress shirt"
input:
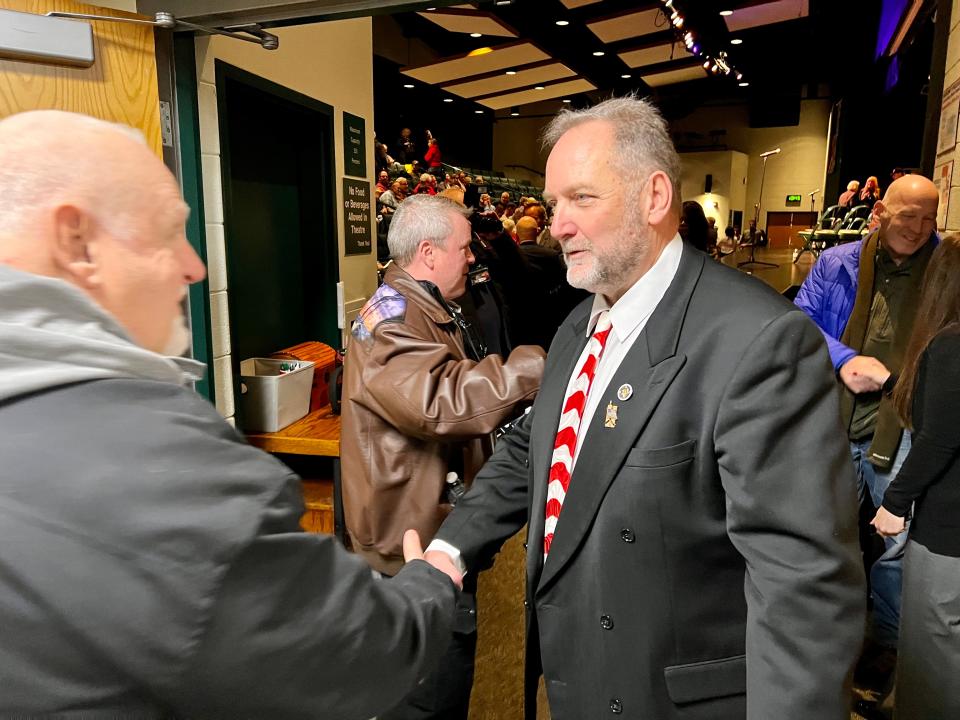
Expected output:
(628, 317)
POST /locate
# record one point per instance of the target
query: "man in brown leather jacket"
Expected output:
(421, 398)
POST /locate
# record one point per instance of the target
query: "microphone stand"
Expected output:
(756, 218)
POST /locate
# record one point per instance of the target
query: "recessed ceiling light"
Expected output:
(736, 41)
(744, 84)
(476, 34)
(511, 72)
(563, 23)
(504, 2)
(479, 112)
(538, 87)
(626, 76)
(408, 85)
(448, 99)
(567, 100)
(598, 53)
(433, 8)
(726, 13)
(515, 114)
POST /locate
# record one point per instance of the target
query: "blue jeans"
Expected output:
(886, 573)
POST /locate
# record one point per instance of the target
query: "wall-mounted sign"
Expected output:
(357, 223)
(354, 145)
(794, 200)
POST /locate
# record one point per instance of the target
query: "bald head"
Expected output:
(87, 202)
(911, 189)
(908, 215)
(50, 158)
(527, 229)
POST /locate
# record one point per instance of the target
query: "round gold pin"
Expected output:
(625, 392)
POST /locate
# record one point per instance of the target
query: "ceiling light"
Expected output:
(538, 87)
(408, 85)
(476, 34)
(480, 51)
(744, 84)
(598, 53)
(514, 111)
(479, 112)
(448, 99)
(706, 65)
(504, 2)
(433, 8)
(726, 13)
(626, 76)
(511, 72)
(563, 23)
(736, 41)
(567, 100)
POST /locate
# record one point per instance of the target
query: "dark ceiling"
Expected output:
(833, 45)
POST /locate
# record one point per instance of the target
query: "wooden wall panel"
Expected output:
(121, 86)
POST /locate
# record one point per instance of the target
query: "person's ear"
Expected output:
(879, 208)
(72, 252)
(659, 197)
(425, 251)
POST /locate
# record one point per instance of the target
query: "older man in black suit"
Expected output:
(692, 541)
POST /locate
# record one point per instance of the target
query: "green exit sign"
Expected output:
(794, 199)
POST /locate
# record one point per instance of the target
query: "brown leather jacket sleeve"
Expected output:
(421, 387)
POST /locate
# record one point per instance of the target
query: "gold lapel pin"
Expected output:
(610, 421)
(625, 392)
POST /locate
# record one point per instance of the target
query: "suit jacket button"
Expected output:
(526, 604)
(616, 706)
(526, 462)
(627, 535)
(606, 622)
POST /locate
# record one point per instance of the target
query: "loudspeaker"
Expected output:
(708, 183)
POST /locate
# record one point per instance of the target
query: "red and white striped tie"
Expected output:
(565, 446)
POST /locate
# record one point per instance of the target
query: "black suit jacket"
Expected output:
(706, 563)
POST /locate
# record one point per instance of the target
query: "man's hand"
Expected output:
(863, 373)
(888, 524)
(413, 550)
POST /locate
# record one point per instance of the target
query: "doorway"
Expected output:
(279, 195)
(783, 226)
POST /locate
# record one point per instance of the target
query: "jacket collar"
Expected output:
(411, 288)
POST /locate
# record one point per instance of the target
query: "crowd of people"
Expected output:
(686, 450)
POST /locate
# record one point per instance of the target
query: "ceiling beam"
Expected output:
(224, 13)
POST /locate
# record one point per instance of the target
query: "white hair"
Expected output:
(46, 159)
(853, 185)
(419, 218)
(643, 143)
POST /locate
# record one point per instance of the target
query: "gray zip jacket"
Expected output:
(151, 562)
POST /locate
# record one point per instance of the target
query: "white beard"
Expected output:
(179, 340)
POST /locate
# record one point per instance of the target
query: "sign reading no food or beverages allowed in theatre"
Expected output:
(354, 145)
(357, 224)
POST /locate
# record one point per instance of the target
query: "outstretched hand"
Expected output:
(413, 550)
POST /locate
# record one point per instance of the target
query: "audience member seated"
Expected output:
(391, 199)
(870, 193)
(848, 197)
(753, 236)
(427, 185)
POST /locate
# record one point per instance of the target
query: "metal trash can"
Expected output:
(274, 393)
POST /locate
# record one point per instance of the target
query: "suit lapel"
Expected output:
(650, 366)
